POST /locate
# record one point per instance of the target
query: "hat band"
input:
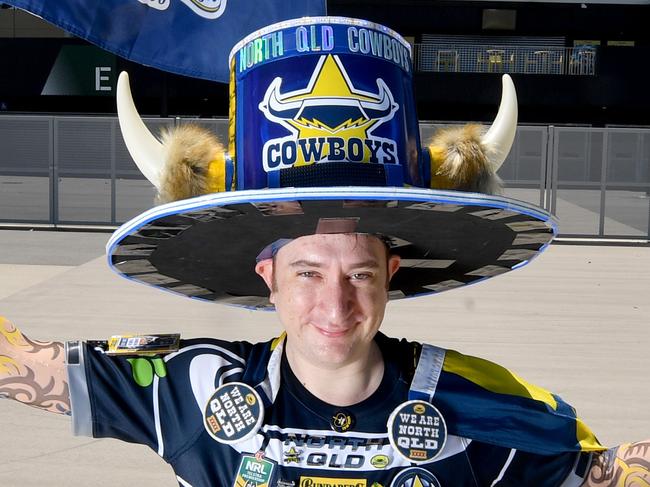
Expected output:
(337, 174)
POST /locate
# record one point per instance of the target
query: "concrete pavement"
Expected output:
(576, 321)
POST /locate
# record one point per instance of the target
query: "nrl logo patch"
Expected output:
(329, 121)
(208, 9)
(254, 472)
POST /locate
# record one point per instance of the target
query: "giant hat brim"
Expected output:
(205, 247)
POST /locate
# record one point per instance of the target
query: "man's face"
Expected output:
(330, 291)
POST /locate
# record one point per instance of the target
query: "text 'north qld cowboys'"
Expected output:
(321, 38)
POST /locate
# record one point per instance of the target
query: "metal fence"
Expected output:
(77, 171)
(505, 59)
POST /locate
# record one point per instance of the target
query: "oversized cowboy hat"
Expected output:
(323, 138)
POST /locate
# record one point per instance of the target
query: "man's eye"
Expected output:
(307, 274)
(360, 276)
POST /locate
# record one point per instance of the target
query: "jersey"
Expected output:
(160, 402)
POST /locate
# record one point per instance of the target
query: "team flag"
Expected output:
(188, 37)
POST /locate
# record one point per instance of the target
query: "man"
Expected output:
(332, 402)
(330, 292)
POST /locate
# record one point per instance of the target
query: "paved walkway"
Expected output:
(576, 321)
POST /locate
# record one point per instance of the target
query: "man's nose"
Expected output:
(337, 299)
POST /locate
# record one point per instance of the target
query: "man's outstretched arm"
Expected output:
(624, 466)
(32, 372)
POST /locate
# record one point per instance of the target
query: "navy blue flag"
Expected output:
(189, 37)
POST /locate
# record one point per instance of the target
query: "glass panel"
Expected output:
(508, 170)
(530, 195)
(25, 198)
(624, 157)
(521, 171)
(530, 151)
(25, 163)
(579, 155)
(132, 196)
(84, 200)
(579, 169)
(644, 169)
(627, 212)
(627, 203)
(578, 211)
(426, 132)
(83, 157)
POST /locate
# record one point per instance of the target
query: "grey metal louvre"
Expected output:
(83, 146)
(25, 145)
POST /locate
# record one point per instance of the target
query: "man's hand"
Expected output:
(32, 372)
(624, 466)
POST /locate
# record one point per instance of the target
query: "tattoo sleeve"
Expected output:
(627, 465)
(32, 372)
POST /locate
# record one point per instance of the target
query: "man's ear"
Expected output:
(393, 265)
(264, 269)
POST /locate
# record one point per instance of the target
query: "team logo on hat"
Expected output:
(329, 120)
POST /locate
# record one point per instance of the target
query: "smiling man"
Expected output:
(331, 403)
(331, 292)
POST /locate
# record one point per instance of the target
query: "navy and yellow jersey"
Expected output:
(160, 402)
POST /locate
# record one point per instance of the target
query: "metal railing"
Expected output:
(76, 171)
(457, 58)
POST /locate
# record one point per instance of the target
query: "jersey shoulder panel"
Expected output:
(473, 392)
(158, 401)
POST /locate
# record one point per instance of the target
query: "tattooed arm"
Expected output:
(624, 466)
(32, 372)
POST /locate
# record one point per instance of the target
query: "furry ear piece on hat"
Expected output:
(460, 160)
(194, 165)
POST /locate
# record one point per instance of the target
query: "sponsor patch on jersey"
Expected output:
(233, 413)
(292, 455)
(417, 430)
(336, 451)
(254, 471)
(342, 421)
(380, 461)
(330, 482)
(415, 477)
(143, 345)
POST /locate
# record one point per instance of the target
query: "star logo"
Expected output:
(415, 477)
(292, 455)
(329, 120)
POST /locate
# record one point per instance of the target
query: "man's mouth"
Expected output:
(332, 332)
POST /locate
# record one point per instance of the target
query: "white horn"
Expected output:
(145, 149)
(500, 136)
